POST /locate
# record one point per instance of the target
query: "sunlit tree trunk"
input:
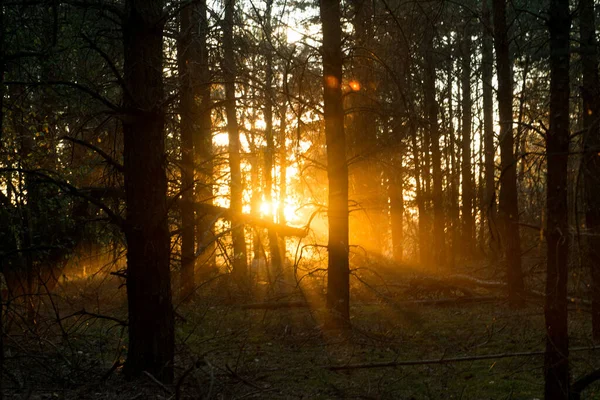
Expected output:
(151, 324)
(431, 105)
(508, 203)
(591, 167)
(240, 262)
(188, 109)
(396, 196)
(338, 291)
(556, 362)
(422, 223)
(467, 119)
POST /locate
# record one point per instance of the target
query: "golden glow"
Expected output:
(331, 81)
(354, 85)
(289, 210)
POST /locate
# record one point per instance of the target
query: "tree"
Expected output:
(468, 231)
(187, 54)
(338, 272)
(508, 207)
(240, 261)
(436, 157)
(270, 150)
(151, 321)
(556, 360)
(487, 72)
(591, 161)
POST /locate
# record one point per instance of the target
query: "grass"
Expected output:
(227, 352)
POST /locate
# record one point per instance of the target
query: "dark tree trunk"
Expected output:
(270, 151)
(423, 247)
(556, 363)
(467, 117)
(338, 290)
(508, 204)
(591, 169)
(487, 66)
(240, 261)
(453, 172)
(439, 254)
(189, 112)
(203, 152)
(396, 195)
(151, 331)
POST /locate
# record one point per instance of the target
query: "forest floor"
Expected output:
(228, 351)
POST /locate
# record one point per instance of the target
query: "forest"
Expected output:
(299, 199)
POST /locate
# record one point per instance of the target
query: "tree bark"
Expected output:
(270, 151)
(467, 117)
(556, 362)
(439, 254)
(189, 113)
(203, 148)
(240, 261)
(487, 67)
(591, 161)
(338, 290)
(151, 324)
(508, 203)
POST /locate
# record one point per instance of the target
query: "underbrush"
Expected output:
(402, 345)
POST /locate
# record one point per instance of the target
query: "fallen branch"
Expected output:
(247, 219)
(580, 384)
(94, 315)
(159, 383)
(446, 360)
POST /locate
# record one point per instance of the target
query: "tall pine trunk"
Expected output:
(468, 238)
(151, 323)
(556, 362)
(270, 151)
(338, 290)
(508, 208)
(203, 149)
(591, 167)
(188, 109)
(240, 261)
(487, 70)
(439, 255)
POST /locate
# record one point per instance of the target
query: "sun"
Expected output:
(289, 210)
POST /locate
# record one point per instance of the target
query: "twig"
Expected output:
(443, 360)
(159, 383)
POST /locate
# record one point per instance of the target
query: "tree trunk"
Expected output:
(591, 112)
(203, 152)
(396, 195)
(439, 255)
(487, 66)
(556, 363)
(338, 290)
(188, 110)
(467, 116)
(151, 324)
(240, 261)
(508, 203)
(273, 241)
